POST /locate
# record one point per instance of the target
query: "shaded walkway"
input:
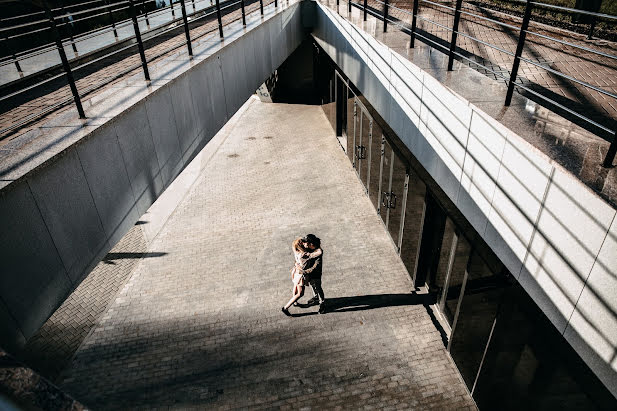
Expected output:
(200, 325)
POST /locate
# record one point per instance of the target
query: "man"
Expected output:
(313, 270)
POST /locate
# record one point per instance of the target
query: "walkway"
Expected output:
(200, 324)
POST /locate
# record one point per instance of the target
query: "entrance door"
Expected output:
(393, 188)
(351, 129)
(432, 237)
(363, 147)
(341, 106)
(376, 161)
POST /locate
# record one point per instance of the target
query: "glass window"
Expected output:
(529, 363)
(478, 308)
(416, 191)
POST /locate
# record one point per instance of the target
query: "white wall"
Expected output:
(556, 236)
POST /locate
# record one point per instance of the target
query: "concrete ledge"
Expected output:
(547, 227)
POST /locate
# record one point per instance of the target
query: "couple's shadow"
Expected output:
(368, 302)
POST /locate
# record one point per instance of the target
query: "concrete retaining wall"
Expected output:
(60, 219)
(554, 235)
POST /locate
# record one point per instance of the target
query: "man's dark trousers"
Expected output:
(315, 284)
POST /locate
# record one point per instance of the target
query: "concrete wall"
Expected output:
(60, 219)
(556, 236)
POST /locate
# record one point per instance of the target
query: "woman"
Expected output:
(302, 256)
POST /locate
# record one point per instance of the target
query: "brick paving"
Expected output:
(201, 327)
(52, 347)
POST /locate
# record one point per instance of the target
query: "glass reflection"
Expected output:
(351, 128)
(478, 308)
(375, 169)
(528, 362)
(396, 195)
(414, 210)
(363, 147)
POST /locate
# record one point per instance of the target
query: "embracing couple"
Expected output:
(306, 270)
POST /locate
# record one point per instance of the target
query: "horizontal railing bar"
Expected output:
(556, 72)
(560, 106)
(93, 61)
(582, 83)
(577, 11)
(84, 36)
(491, 20)
(47, 80)
(590, 121)
(485, 43)
(108, 80)
(438, 5)
(34, 116)
(599, 53)
(21, 16)
(434, 22)
(229, 5)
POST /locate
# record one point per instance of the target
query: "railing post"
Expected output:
(592, 27)
(519, 52)
(612, 150)
(111, 18)
(143, 4)
(457, 19)
(65, 61)
(218, 16)
(349, 6)
(69, 28)
(365, 6)
(414, 20)
(243, 14)
(15, 60)
(385, 16)
(173, 13)
(186, 28)
(276, 3)
(261, 7)
(140, 44)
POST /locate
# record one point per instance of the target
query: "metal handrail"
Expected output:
(203, 13)
(512, 83)
(22, 55)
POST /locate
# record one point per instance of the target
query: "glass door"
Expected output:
(412, 227)
(364, 146)
(398, 186)
(351, 129)
(393, 186)
(386, 172)
(432, 236)
(376, 161)
(341, 105)
(473, 326)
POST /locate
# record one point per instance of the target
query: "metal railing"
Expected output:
(607, 132)
(48, 20)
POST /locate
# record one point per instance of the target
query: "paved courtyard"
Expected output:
(198, 324)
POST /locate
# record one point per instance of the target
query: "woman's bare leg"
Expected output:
(298, 292)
